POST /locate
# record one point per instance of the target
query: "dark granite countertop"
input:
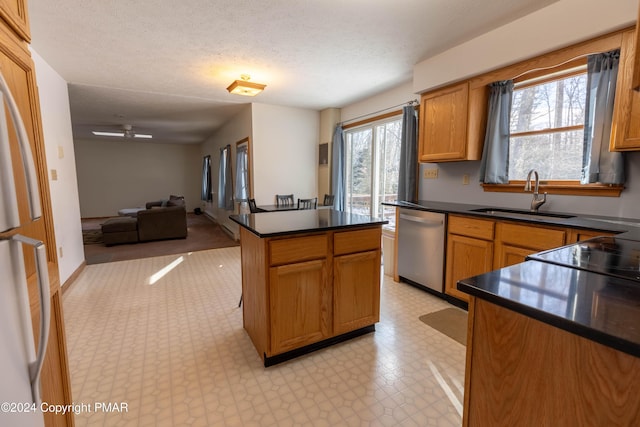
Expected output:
(562, 219)
(598, 307)
(269, 224)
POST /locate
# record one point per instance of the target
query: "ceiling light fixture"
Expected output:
(245, 87)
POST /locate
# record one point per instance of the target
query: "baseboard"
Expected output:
(229, 231)
(72, 279)
(224, 227)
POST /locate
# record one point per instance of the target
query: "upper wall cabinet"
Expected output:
(625, 130)
(446, 128)
(636, 57)
(14, 13)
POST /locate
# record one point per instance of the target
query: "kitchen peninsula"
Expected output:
(310, 278)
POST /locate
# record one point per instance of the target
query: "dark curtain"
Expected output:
(600, 164)
(494, 167)
(205, 193)
(225, 185)
(338, 168)
(408, 173)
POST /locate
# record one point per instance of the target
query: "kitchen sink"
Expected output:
(516, 213)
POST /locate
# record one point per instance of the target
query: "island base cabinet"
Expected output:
(521, 371)
(307, 291)
(300, 299)
(356, 291)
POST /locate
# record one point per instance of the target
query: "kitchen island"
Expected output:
(556, 340)
(310, 278)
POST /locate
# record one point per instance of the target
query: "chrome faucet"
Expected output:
(537, 200)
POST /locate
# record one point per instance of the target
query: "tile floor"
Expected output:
(164, 335)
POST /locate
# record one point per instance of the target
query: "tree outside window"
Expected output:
(547, 128)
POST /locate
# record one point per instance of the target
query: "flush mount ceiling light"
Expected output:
(245, 87)
(127, 132)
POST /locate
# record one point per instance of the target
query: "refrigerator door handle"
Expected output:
(25, 151)
(35, 367)
(9, 217)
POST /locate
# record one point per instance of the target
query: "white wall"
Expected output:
(399, 95)
(117, 174)
(558, 25)
(285, 149)
(236, 129)
(58, 140)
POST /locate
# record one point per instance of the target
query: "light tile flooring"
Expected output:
(164, 335)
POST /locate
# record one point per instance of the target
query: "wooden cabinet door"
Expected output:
(356, 289)
(299, 304)
(14, 13)
(625, 131)
(577, 235)
(466, 257)
(509, 255)
(443, 124)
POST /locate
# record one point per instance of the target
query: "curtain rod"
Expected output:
(408, 103)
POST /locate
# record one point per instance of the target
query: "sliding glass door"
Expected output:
(372, 165)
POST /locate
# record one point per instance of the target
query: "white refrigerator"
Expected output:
(20, 361)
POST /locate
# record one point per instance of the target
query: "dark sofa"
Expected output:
(163, 219)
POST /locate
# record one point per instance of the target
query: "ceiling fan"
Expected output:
(127, 132)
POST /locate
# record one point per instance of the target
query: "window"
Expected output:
(372, 164)
(547, 127)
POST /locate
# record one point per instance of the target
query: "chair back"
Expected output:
(253, 208)
(284, 200)
(308, 203)
(328, 199)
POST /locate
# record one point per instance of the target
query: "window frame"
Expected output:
(371, 123)
(547, 64)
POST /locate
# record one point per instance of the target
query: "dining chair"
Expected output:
(284, 200)
(308, 203)
(328, 199)
(253, 208)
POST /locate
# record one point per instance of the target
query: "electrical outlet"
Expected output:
(465, 179)
(54, 175)
(430, 173)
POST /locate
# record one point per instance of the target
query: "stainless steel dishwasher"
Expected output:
(421, 246)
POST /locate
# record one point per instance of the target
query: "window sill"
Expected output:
(562, 188)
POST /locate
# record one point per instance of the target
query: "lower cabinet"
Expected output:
(476, 246)
(356, 291)
(300, 299)
(302, 289)
(469, 251)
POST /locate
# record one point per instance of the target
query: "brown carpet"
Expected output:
(202, 234)
(451, 321)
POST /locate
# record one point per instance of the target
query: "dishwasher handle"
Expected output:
(430, 222)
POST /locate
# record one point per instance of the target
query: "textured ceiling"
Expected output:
(164, 66)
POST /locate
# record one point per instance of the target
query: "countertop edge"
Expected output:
(591, 222)
(237, 220)
(583, 331)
